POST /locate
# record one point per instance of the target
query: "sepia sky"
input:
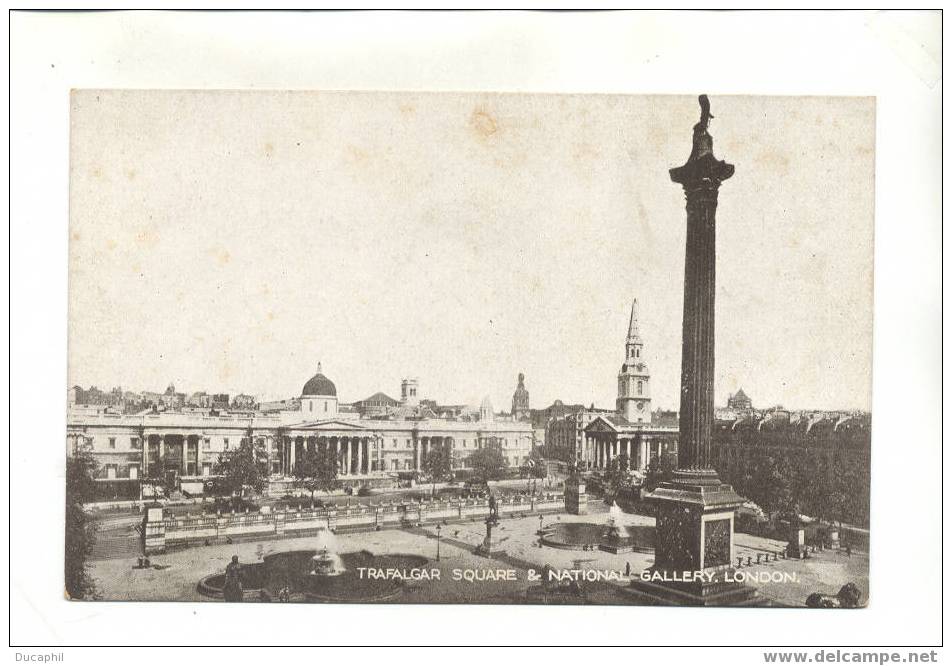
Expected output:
(228, 241)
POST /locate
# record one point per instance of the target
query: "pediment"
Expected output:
(600, 425)
(329, 424)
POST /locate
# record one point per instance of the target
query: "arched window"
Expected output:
(637, 352)
(640, 386)
(310, 405)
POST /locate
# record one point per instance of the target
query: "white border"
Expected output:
(889, 56)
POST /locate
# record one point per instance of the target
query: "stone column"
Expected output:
(695, 512)
(292, 455)
(145, 456)
(701, 179)
(348, 443)
(416, 454)
(336, 441)
(360, 455)
(162, 454)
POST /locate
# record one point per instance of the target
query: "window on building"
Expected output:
(206, 444)
(133, 471)
(637, 352)
(135, 443)
(640, 386)
(112, 442)
(325, 405)
(226, 443)
(310, 406)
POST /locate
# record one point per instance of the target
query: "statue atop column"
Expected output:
(702, 165)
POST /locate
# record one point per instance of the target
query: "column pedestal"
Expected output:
(694, 544)
(576, 500)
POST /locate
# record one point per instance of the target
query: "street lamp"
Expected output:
(540, 523)
(438, 527)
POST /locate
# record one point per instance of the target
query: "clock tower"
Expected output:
(634, 380)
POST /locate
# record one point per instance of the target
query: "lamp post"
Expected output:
(540, 523)
(438, 527)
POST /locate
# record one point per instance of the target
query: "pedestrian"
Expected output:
(627, 568)
(849, 551)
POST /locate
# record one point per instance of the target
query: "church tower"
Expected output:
(634, 387)
(520, 400)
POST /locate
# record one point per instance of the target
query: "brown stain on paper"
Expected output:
(483, 123)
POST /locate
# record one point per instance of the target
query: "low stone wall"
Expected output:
(164, 532)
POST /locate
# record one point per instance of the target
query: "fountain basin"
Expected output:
(583, 536)
(294, 570)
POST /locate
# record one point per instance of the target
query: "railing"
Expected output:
(180, 530)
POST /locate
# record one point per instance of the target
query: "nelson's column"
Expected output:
(695, 511)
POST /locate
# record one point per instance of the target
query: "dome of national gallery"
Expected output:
(319, 385)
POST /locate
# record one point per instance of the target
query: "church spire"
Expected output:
(634, 393)
(633, 334)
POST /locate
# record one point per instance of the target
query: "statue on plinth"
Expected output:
(493, 510)
(576, 500)
(232, 590)
(488, 547)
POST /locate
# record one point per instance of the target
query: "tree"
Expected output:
(534, 467)
(618, 476)
(80, 532)
(317, 470)
(241, 470)
(436, 465)
(487, 463)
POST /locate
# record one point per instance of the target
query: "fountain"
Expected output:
(616, 538)
(325, 562)
(318, 575)
(612, 535)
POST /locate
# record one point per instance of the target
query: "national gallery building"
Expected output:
(183, 447)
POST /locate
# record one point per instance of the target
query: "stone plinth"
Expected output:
(576, 500)
(154, 531)
(490, 546)
(694, 534)
(795, 543)
(617, 540)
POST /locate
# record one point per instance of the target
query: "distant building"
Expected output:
(379, 404)
(274, 406)
(486, 412)
(243, 401)
(199, 399)
(739, 401)
(810, 442)
(177, 446)
(408, 392)
(520, 401)
(564, 435)
(666, 418)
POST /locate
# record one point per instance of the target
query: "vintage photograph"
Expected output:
(427, 348)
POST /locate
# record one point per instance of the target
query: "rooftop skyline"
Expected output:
(462, 239)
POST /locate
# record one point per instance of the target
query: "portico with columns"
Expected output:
(607, 437)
